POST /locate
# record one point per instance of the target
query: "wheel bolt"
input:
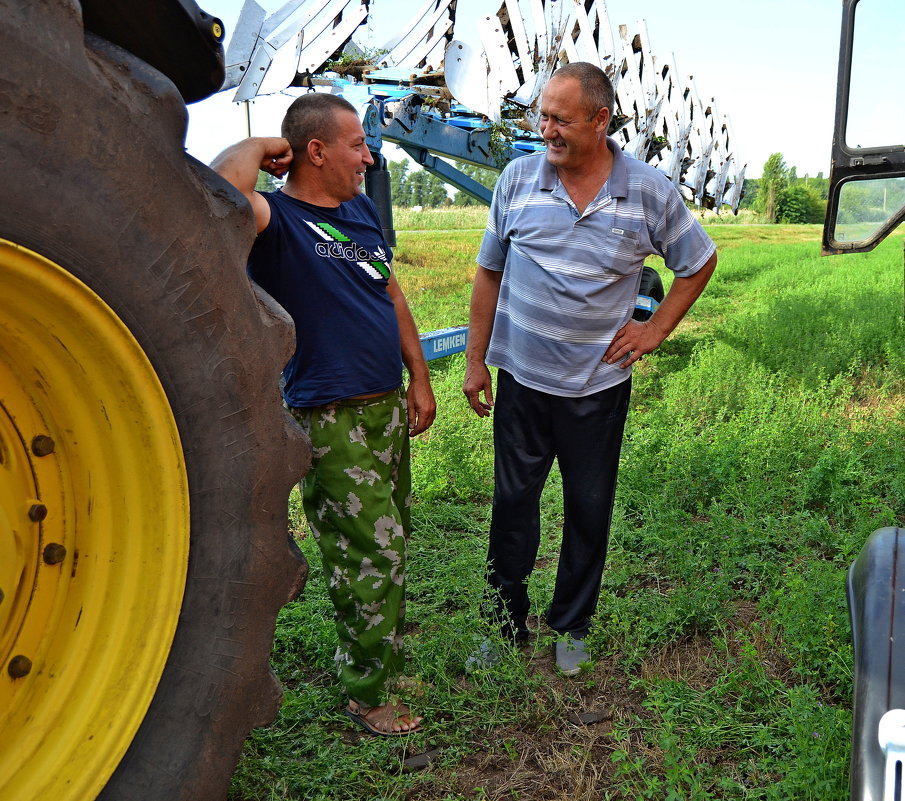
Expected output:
(37, 512)
(19, 666)
(42, 445)
(54, 553)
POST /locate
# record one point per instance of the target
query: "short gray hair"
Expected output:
(596, 88)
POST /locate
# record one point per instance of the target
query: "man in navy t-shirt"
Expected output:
(321, 254)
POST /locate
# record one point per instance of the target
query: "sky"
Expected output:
(770, 65)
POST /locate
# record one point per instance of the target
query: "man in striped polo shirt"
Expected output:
(551, 307)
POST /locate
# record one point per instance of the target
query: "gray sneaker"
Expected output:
(571, 655)
(484, 657)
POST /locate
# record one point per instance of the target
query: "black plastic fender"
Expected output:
(876, 600)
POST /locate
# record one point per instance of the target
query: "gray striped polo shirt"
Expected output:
(570, 280)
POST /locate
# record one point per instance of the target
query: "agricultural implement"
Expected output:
(453, 89)
(467, 89)
(867, 203)
(143, 516)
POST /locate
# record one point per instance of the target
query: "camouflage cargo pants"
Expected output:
(356, 498)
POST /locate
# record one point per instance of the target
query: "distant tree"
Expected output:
(266, 182)
(821, 184)
(436, 194)
(416, 184)
(871, 201)
(773, 181)
(399, 189)
(749, 193)
(482, 175)
(800, 203)
(415, 187)
(426, 189)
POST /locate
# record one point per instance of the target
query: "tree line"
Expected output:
(422, 188)
(413, 187)
(778, 196)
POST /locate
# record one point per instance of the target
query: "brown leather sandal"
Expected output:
(382, 720)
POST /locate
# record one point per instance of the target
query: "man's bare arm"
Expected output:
(422, 407)
(239, 164)
(635, 339)
(485, 294)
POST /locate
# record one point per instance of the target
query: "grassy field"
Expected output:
(763, 446)
(475, 218)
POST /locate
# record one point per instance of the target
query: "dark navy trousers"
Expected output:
(530, 429)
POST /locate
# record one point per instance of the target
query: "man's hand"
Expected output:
(422, 407)
(632, 341)
(277, 156)
(477, 380)
(240, 163)
(635, 339)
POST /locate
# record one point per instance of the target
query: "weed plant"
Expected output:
(763, 446)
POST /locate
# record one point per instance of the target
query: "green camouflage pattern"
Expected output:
(356, 497)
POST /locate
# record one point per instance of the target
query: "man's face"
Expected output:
(346, 157)
(572, 140)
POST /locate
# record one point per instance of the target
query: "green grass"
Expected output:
(452, 218)
(763, 447)
(474, 218)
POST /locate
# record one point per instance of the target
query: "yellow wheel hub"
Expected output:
(94, 532)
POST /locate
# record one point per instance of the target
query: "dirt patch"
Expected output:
(561, 756)
(569, 755)
(572, 763)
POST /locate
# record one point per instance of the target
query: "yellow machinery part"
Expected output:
(94, 532)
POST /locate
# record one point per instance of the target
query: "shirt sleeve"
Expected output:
(495, 244)
(680, 239)
(261, 268)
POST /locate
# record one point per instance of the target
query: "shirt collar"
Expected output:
(618, 180)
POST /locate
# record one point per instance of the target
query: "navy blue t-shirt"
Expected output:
(329, 268)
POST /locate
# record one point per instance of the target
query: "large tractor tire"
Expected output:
(145, 458)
